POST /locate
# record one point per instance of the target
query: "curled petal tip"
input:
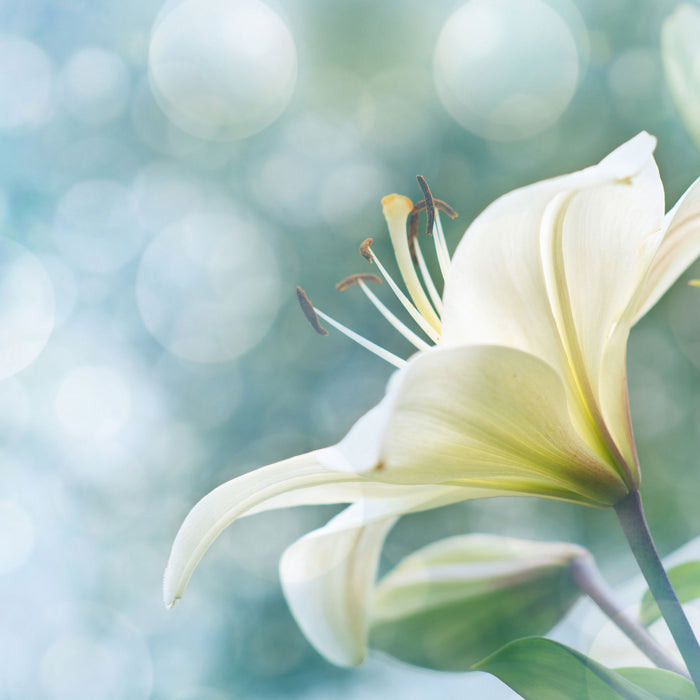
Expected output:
(631, 157)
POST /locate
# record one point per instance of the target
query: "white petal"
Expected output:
(679, 248)
(328, 575)
(496, 292)
(493, 418)
(359, 450)
(300, 480)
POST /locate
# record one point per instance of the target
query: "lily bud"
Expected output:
(454, 602)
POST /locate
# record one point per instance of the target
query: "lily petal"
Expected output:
(301, 480)
(328, 575)
(496, 291)
(494, 418)
(679, 248)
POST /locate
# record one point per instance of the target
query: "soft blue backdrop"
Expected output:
(175, 355)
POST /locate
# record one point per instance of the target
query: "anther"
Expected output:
(429, 203)
(444, 206)
(439, 204)
(310, 312)
(412, 232)
(365, 251)
(354, 279)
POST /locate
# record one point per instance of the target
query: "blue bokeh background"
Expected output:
(152, 346)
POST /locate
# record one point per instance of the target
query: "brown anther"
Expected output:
(365, 251)
(379, 466)
(354, 279)
(310, 312)
(429, 204)
(444, 206)
(439, 204)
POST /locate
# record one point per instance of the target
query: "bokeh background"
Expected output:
(157, 209)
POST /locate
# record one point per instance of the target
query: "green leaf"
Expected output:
(458, 600)
(540, 669)
(685, 579)
(663, 684)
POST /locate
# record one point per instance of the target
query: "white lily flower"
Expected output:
(524, 392)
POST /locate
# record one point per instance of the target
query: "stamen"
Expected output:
(355, 279)
(401, 327)
(309, 311)
(396, 211)
(415, 314)
(443, 255)
(429, 203)
(365, 251)
(360, 340)
(427, 279)
(434, 226)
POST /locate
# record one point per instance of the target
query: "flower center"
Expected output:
(422, 301)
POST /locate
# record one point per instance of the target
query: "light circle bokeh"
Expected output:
(95, 226)
(208, 286)
(15, 550)
(506, 69)
(26, 84)
(93, 402)
(95, 652)
(221, 69)
(95, 85)
(27, 309)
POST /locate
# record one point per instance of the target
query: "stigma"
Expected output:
(415, 289)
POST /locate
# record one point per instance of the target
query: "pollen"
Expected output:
(310, 312)
(354, 279)
(365, 251)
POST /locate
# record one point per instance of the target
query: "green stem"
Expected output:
(586, 575)
(631, 516)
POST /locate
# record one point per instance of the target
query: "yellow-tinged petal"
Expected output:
(597, 244)
(328, 575)
(494, 418)
(680, 246)
(540, 270)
